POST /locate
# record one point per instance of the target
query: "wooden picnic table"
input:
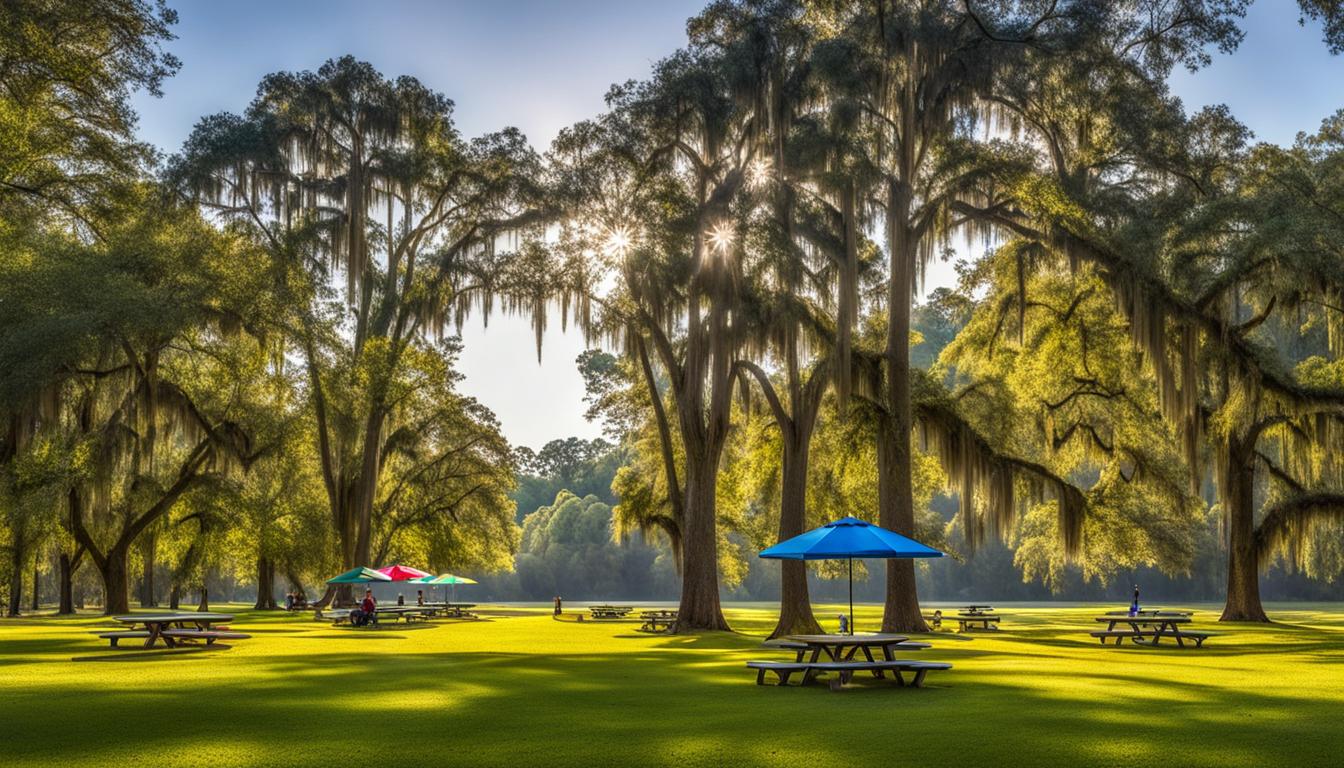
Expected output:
(456, 610)
(156, 624)
(975, 610)
(985, 620)
(1150, 629)
(1151, 612)
(845, 647)
(654, 620)
(609, 611)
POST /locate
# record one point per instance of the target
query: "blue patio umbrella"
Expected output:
(846, 539)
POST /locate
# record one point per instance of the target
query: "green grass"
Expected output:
(521, 688)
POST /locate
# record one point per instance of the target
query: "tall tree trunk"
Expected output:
(1243, 567)
(370, 470)
(65, 568)
(204, 605)
(148, 556)
(116, 582)
(700, 607)
(265, 584)
(70, 563)
(175, 597)
(901, 612)
(334, 594)
(36, 588)
(895, 497)
(16, 577)
(795, 604)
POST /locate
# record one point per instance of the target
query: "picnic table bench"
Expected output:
(173, 628)
(1150, 629)
(609, 611)
(658, 621)
(459, 610)
(845, 670)
(1150, 612)
(450, 610)
(390, 614)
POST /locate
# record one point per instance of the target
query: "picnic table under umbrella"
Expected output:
(445, 578)
(846, 539)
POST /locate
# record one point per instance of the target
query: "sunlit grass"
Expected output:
(523, 689)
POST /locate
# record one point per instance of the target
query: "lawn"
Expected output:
(520, 688)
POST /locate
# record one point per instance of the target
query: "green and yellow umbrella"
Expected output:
(445, 578)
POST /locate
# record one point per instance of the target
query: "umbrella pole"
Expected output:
(851, 596)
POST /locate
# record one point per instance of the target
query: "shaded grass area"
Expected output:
(522, 688)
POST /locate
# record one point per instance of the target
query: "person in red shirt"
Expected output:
(368, 607)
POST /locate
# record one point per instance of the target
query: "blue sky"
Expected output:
(542, 65)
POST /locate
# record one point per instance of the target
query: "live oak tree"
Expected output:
(1150, 199)
(114, 342)
(905, 74)
(450, 472)
(1062, 387)
(345, 172)
(677, 147)
(67, 72)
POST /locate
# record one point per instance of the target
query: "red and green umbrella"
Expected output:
(402, 573)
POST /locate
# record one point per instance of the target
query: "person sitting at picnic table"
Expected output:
(365, 613)
(401, 599)
(420, 597)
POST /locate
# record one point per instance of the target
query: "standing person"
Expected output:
(1134, 606)
(289, 601)
(401, 599)
(420, 597)
(558, 604)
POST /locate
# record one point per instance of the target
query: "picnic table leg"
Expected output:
(154, 630)
(868, 654)
(1176, 633)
